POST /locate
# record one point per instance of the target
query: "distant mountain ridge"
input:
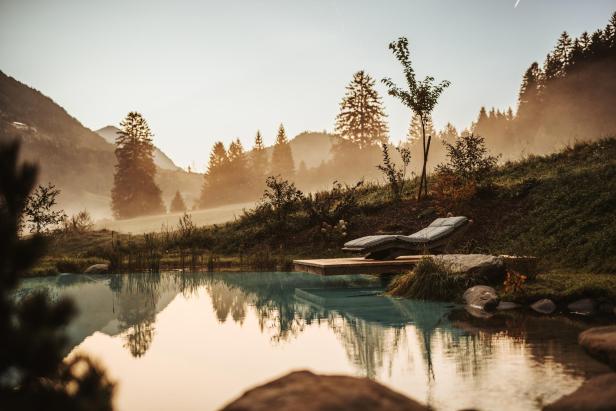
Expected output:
(76, 159)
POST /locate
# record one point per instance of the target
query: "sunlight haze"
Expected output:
(207, 71)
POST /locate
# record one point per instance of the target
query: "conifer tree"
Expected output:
(177, 203)
(529, 90)
(214, 181)
(282, 157)
(134, 191)
(238, 178)
(362, 119)
(35, 375)
(259, 158)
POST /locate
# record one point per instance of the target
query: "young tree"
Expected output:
(177, 203)
(35, 375)
(134, 191)
(282, 157)
(469, 160)
(362, 119)
(214, 188)
(421, 97)
(39, 212)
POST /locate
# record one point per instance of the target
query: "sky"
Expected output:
(203, 71)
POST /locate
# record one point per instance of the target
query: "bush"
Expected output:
(430, 280)
(341, 203)
(396, 176)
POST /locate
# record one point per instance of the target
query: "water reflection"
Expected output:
(431, 351)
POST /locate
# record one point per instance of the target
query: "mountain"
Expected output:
(161, 160)
(77, 160)
(311, 147)
(74, 158)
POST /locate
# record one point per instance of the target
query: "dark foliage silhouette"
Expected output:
(33, 375)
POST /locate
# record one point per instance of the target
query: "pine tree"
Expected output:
(35, 373)
(238, 178)
(134, 191)
(362, 119)
(282, 157)
(177, 204)
(530, 89)
(259, 159)
(214, 190)
(449, 134)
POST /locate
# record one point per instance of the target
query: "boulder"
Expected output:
(481, 297)
(506, 305)
(544, 306)
(596, 394)
(305, 391)
(585, 306)
(97, 269)
(487, 267)
(600, 343)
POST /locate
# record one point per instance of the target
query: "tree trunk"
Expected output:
(423, 170)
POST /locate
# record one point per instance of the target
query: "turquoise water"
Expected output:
(196, 341)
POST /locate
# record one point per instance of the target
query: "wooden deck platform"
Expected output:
(356, 265)
(360, 265)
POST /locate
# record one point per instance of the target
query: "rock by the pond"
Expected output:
(506, 305)
(490, 268)
(596, 394)
(481, 297)
(97, 269)
(585, 306)
(544, 306)
(600, 343)
(305, 391)
(478, 312)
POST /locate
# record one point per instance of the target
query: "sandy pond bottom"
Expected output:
(196, 341)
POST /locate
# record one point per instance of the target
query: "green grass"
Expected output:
(565, 287)
(560, 208)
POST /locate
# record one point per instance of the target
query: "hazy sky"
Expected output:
(202, 71)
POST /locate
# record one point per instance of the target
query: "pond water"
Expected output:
(196, 341)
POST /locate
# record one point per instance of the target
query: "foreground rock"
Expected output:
(97, 269)
(585, 306)
(488, 267)
(544, 306)
(481, 297)
(596, 394)
(600, 343)
(305, 391)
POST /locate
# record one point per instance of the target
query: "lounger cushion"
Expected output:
(373, 241)
(441, 227)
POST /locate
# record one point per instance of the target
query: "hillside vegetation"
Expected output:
(560, 208)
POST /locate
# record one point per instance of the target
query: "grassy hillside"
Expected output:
(560, 208)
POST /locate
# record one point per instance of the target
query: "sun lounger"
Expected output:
(435, 238)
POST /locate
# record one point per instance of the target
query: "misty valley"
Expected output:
(413, 248)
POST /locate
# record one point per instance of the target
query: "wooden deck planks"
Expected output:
(356, 265)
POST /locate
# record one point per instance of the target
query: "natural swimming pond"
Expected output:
(196, 341)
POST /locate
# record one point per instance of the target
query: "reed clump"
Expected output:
(430, 280)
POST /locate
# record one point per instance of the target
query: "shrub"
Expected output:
(340, 203)
(430, 280)
(396, 176)
(78, 223)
